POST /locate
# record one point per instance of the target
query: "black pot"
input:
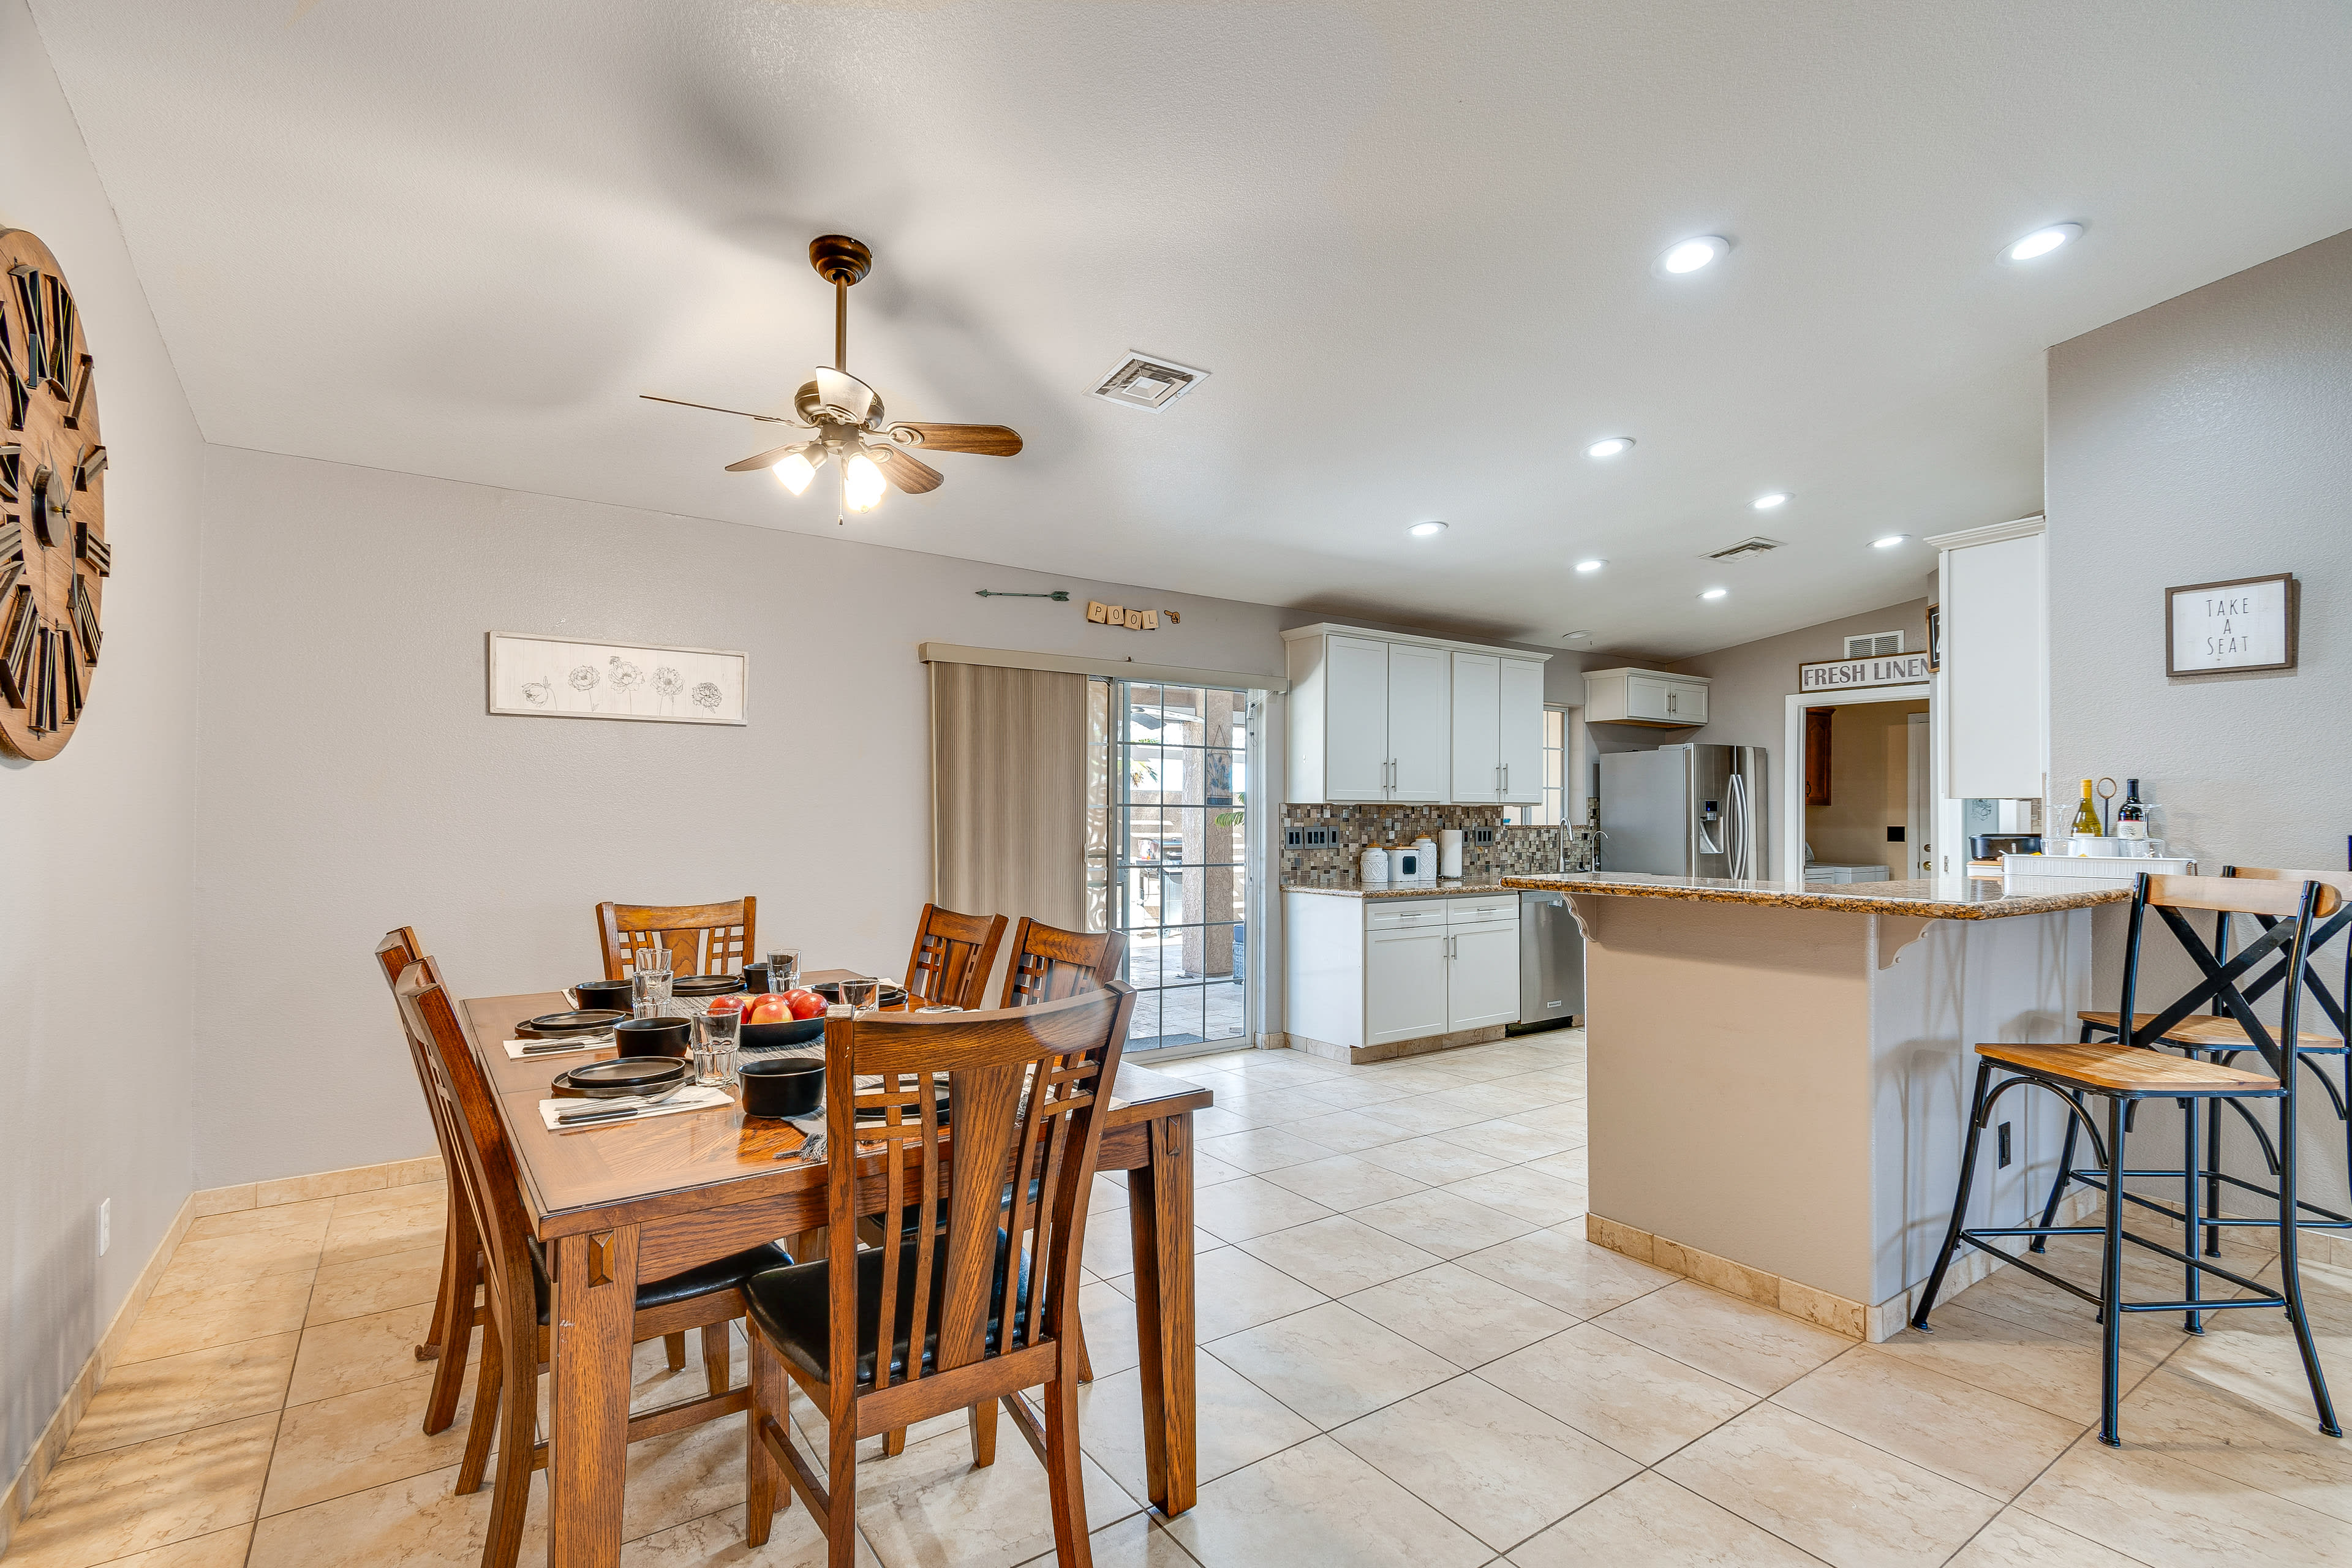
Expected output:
(654, 1037)
(597, 993)
(792, 1086)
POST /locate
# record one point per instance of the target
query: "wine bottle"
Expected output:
(2087, 815)
(2131, 818)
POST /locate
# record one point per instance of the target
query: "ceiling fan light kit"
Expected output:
(869, 454)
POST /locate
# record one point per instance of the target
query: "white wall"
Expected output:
(2206, 438)
(352, 781)
(96, 986)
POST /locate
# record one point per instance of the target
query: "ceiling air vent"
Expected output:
(1874, 644)
(1141, 383)
(1746, 550)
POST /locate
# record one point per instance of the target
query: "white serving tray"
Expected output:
(2096, 870)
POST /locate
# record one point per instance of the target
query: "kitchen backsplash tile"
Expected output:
(1514, 850)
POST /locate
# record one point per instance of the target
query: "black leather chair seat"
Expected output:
(719, 1274)
(794, 1308)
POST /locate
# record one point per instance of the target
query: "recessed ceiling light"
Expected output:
(1692, 255)
(1766, 503)
(1714, 593)
(1611, 448)
(1593, 564)
(2042, 241)
(1426, 529)
(1888, 542)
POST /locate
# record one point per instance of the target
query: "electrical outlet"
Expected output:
(2004, 1146)
(105, 1224)
(1294, 837)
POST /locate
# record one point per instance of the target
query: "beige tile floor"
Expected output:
(1409, 1356)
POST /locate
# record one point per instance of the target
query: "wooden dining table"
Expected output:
(644, 1200)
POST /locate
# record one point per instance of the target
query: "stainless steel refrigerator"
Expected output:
(1684, 811)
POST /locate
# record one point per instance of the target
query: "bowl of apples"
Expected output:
(778, 1018)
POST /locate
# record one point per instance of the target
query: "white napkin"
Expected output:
(518, 1050)
(702, 1096)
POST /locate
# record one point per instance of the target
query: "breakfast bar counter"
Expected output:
(1778, 1074)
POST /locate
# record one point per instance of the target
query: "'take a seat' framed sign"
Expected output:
(2216, 629)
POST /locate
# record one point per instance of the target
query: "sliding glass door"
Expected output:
(1167, 855)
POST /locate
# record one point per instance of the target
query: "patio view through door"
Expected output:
(1167, 863)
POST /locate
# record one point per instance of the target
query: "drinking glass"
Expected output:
(861, 995)
(649, 982)
(784, 969)
(715, 1040)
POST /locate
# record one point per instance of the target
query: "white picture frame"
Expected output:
(537, 677)
(2217, 628)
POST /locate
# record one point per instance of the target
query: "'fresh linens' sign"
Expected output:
(1846, 674)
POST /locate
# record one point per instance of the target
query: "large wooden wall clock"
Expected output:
(53, 560)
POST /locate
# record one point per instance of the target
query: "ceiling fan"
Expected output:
(846, 413)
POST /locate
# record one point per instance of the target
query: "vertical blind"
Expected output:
(1008, 792)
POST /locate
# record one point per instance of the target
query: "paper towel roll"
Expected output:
(1449, 852)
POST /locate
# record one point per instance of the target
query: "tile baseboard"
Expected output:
(1838, 1314)
(1357, 1055)
(17, 1501)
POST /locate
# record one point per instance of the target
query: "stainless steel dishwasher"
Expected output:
(1552, 962)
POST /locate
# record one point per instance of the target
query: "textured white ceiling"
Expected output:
(1411, 241)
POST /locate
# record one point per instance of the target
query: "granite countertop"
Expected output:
(1950, 897)
(1444, 886)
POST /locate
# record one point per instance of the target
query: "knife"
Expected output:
(573, 1118)
(576, 1043)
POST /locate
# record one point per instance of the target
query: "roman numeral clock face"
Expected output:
(53, 560)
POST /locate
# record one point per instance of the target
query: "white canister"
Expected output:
(1449, 852)
(1374, 866)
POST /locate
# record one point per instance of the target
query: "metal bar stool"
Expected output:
(2219, 1037)
(2129, 1069)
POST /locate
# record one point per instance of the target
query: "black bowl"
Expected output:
(654, 1037)
(791, 1032)
(792, 1086)
(620, 1076)
(892, 995)
(602, 993)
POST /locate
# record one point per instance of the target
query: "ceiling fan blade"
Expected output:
(985, 440)
(843, 392)
(908, 471)
(767, 459)
(712, 407)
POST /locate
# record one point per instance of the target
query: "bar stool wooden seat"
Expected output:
(2126, 1071)
(701, 938)
(515, 1345)
(979, 1300)
(2222, 1036)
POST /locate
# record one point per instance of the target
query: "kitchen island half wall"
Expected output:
(1780, 1077)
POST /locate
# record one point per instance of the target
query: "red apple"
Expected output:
(769, 1009)
(729, 1004)
(805, 1003)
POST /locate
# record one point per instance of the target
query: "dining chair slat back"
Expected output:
(973, 1304)
(954, 955)
(1049, 963)
(701, 938)
(451, 1321)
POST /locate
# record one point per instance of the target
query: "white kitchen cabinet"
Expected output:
(1497, 729)
(1404, 984)
(1416, 724)
(1644, 697)
(1372, 973)
(1995, 662)
(1356, 719)
(1372, 719)
(1482, 975)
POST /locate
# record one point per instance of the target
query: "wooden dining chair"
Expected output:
(1049, 963)
(454, 1312)
(989, 1273)
(954, 955)
(516, 1345)
(702, 939)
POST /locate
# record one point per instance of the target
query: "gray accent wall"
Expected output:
(2206, 438)
(97, 989)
